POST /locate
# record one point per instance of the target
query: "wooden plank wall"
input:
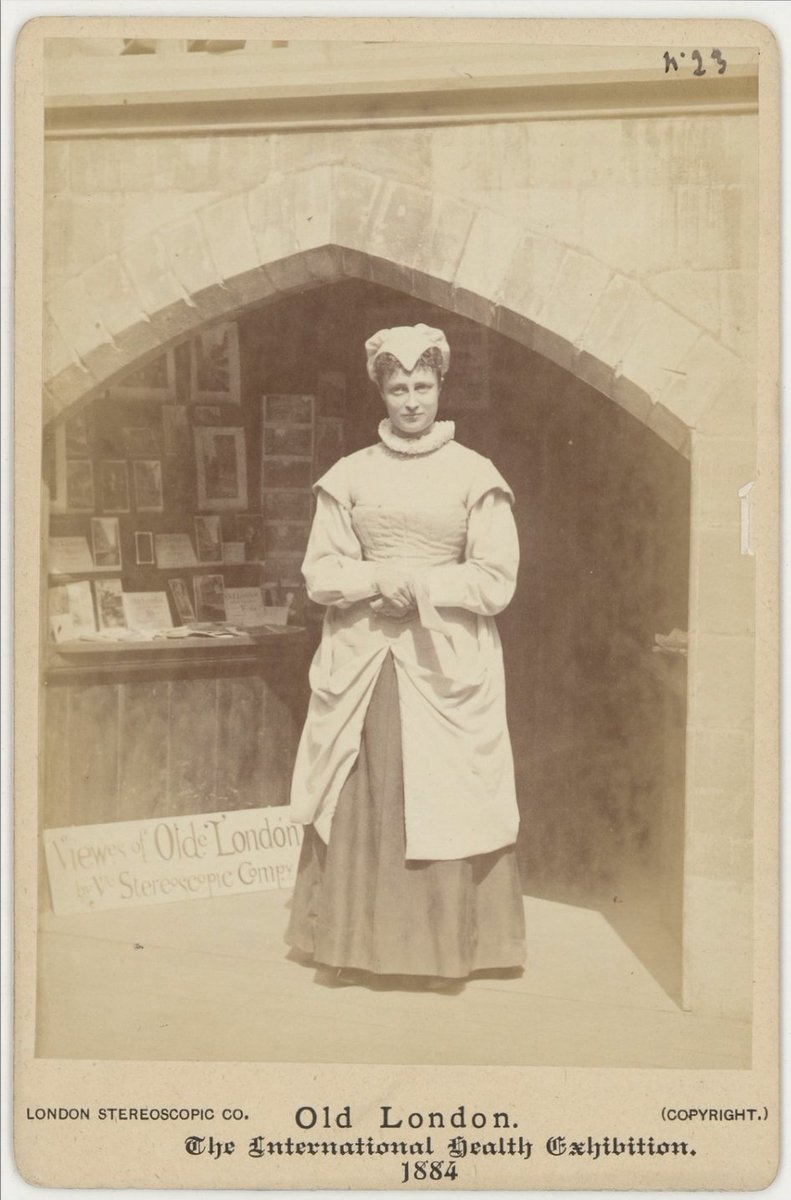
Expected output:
(119, 751)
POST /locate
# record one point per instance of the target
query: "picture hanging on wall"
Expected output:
(147, 475)
(78, 436)
(144, 549)
(287, 472)
(250, 531)
(106, 541)
(214, 365)
(139, 441)
(80, 495)
(221, 468)
(114, 486)
(154, 381)
(288, 439)
(208, 539)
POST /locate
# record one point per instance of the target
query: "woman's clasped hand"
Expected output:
(397, 592)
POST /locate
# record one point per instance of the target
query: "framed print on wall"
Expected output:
(214, 365)
(114, 486)
(221, 468)
(155, 380)
(147, 474)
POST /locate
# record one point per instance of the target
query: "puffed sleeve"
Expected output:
(485, 582)
(333, 567)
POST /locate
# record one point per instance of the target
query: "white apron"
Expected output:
(447, 516)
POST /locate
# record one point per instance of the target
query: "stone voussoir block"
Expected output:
(442, 242)
(271, 223)
(114, 294)
(74, 313)
(474, 307)
(310, 207)
(354, 199)
(389, 274)
(400, 222)
(214, 303)
(57, 354)
(491, 245)
(148, 266)
(107, 360)
(577, 288)
(66, 388)
(657, 349)
(700, 376)
(138, 339)
(514, 326)
(188, 254)
(631, 397)
(230, 239)
(531, 274)
(670, 428)
(620, 313)
(175, 321)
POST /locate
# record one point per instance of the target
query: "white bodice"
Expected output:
(424, 537)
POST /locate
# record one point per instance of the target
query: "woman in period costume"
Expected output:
(404, 774)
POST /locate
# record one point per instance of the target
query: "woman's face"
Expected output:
(411, 399)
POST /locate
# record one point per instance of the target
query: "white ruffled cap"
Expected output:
(406, 343)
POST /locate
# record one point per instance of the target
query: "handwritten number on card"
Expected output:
(671, 62)
(698, 58)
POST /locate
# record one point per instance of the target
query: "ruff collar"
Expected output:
(440, 433)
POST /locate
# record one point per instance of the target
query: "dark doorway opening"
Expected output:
(597, 718)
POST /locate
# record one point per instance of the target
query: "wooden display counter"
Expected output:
(163, 728)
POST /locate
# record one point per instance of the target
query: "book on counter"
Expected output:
(147, 611)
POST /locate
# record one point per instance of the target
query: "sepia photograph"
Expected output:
(106, 541)
(208, 539)
(209, 597)
(147, 474)
(109, 603)
(155, 380)
(139, 441)
(470, 846)
(79, 485)
(144, 549)
(288, 439)
(214, 365)
(221, 467)
(78, 442)
(114, 486)
(179, 593)
(250, 531)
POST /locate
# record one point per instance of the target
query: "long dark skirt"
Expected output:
(357, 903)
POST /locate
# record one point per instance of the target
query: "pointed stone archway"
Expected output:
(310, 227)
